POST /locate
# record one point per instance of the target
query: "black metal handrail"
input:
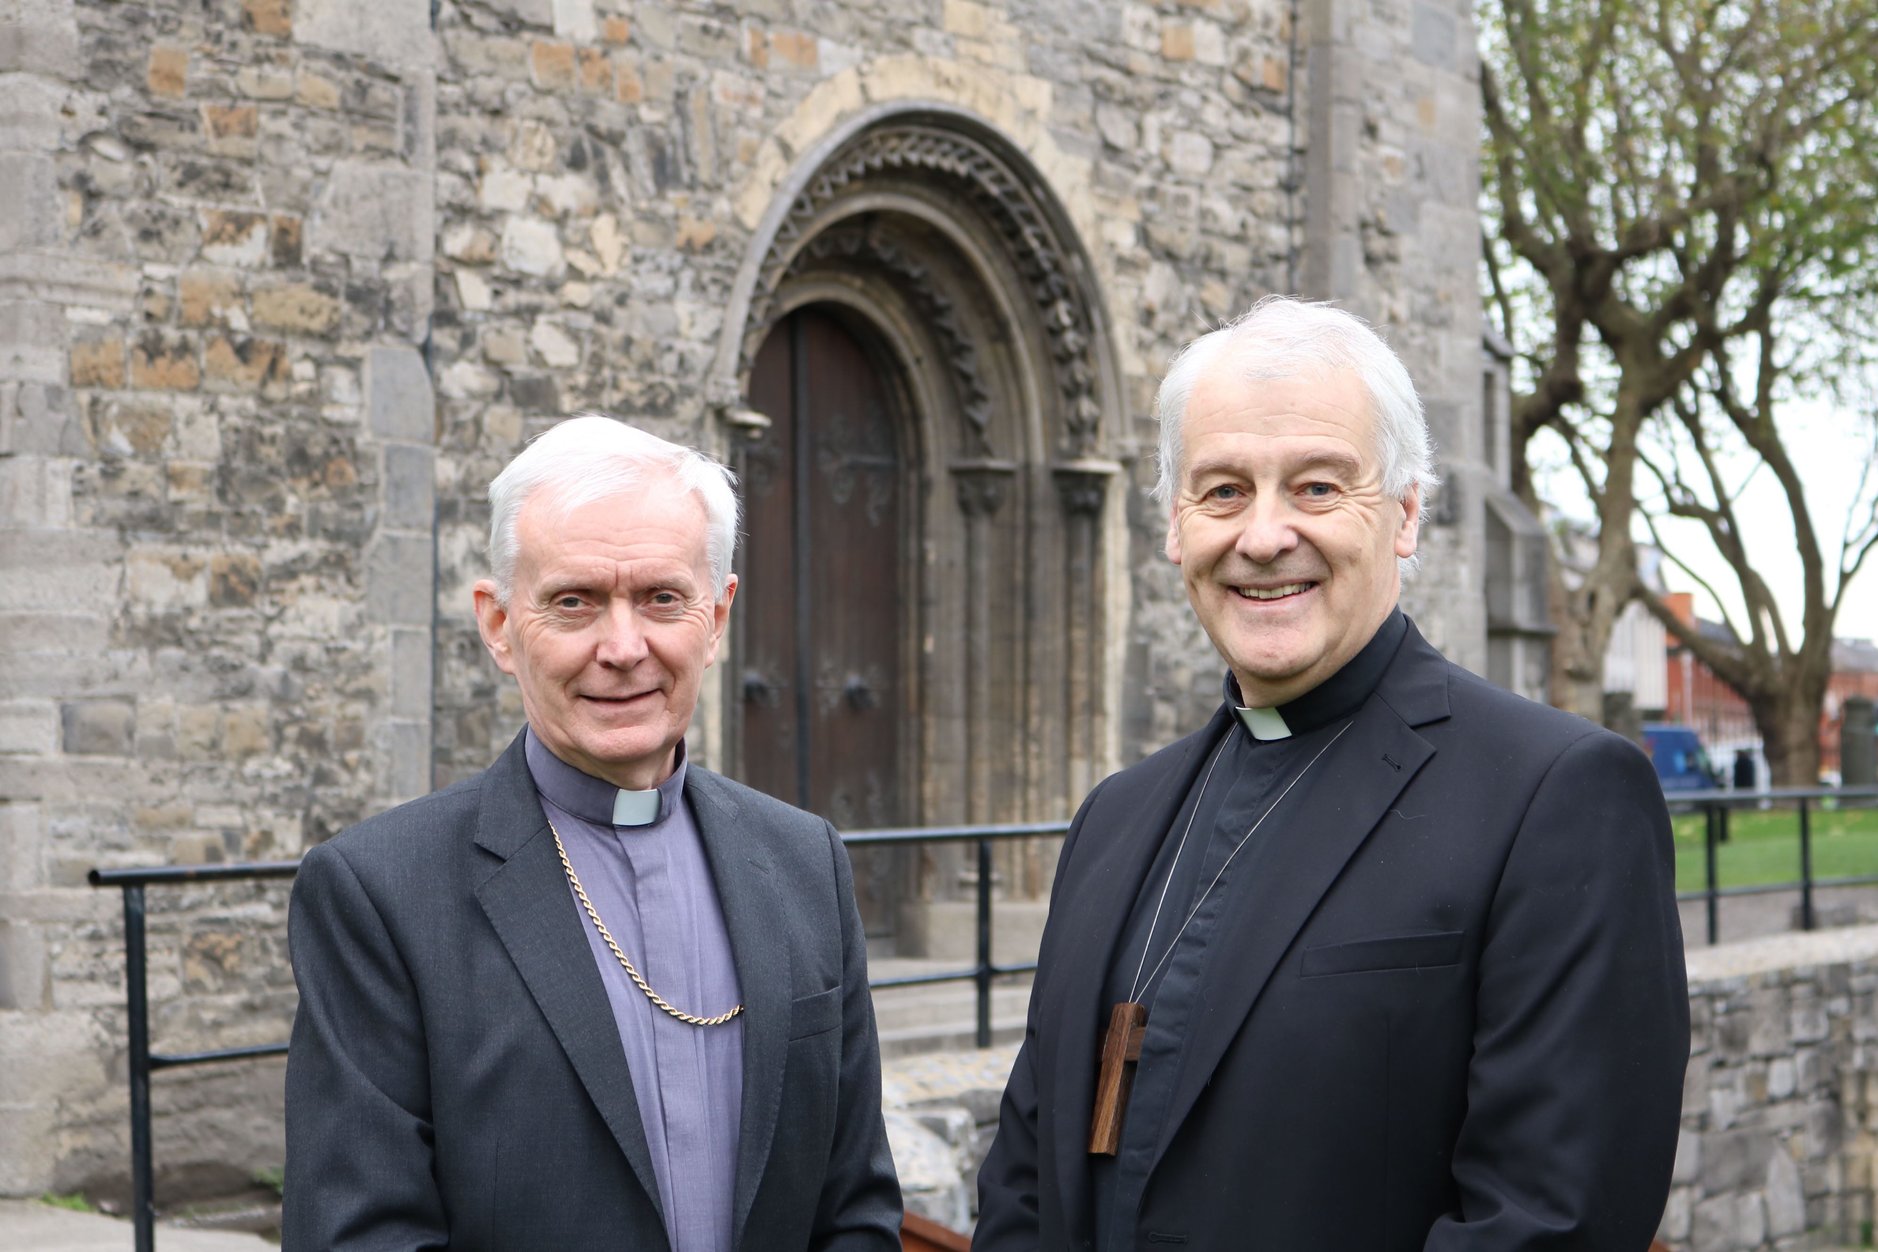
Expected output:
(1716, 805)
(144, 1062)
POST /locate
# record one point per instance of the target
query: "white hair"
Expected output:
(1285, 337)
(591, 456)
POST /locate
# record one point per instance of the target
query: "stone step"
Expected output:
(942, 1016)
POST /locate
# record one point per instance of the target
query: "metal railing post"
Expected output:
(137, 996)
(1713, 812)
(984, 943)
(1806, 866)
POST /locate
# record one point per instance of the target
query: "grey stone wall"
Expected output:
(215, 532)
(284, 282)
(1778, 1113)
(1778, 1120)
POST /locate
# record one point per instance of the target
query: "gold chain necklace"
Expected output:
(600, 926)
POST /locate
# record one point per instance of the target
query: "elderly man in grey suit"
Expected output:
(596, 996)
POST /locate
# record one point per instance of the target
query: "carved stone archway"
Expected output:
(939, 244)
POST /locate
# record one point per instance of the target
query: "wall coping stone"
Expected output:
(1840, 945)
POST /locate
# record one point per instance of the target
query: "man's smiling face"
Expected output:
(609, 628)
(1281, 528)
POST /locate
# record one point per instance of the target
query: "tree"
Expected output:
(1680, 238)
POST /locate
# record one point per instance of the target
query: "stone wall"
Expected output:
(283, 282)
(1779, 1119)
(215, 522)
(1778, 1110)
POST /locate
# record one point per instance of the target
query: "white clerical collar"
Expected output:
(1263, 723)
(635, 808)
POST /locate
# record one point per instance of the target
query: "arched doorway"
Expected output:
(925, 412)
(826, 583)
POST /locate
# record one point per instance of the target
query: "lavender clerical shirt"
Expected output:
(652, 886)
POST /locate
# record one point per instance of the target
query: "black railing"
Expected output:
(1716, 806)
(144, 1062)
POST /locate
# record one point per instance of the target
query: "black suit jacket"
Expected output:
(456, 1078)
(1444, 1009)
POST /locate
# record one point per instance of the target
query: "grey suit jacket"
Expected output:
(456, 1078)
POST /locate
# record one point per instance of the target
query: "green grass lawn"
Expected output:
(1764, 847)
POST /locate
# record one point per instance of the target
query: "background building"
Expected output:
(284, 282)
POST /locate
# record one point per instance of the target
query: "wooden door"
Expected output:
(824, 590)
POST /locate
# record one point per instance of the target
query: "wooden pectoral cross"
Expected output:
(1121, 1049)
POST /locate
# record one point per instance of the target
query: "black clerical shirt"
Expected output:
(1162, 969)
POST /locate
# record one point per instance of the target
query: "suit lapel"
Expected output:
(1320, 827)
(528, 903)
(759, 926)
(1119, 854)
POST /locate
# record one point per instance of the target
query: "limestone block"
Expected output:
(408, 753)
(35, 491)
(398, 579)
(1734, 1158)
(1190, 153)
(377, 210)
(98, 727)
(39, 37)
(574, 19)
(554, 345)
(302, 308)
(164, 580)
(32, 344)
(28, 728)
(387, 33)
(29, 186)
(1786, 1198)
(1688, 1157)
(230, 237)
(531, 246)
(504, 189)
(63, 572)
(473, 292)
(400, 401)
(410, 674)
(931, 1170)
(1678, 1214)
(568, 195)
(410, 493)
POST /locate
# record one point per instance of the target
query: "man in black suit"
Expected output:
(596, 996)
(1382, 958)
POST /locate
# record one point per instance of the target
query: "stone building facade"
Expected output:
(284, 282)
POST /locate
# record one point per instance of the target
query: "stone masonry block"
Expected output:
(388, 33)
(35, 491)
(377, 211)
(1435, 35)
(269, 17)
(23, 982)
(29, 728)
(98, 727)
(60, 571)
(411, 674)
(39, 37)
(574, 19)
(28, 188)
(32, 342)
(29, 113)
(399, 578)
(410, 491)
(399, 398)
(409, 775)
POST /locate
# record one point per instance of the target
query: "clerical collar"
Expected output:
(594, 799)
(1331, 699)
